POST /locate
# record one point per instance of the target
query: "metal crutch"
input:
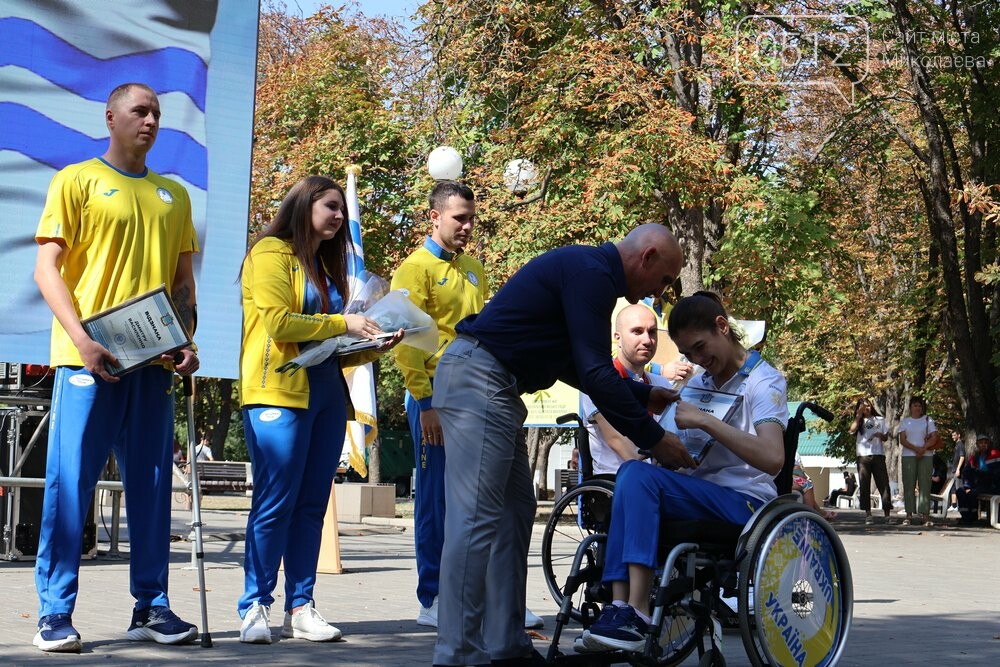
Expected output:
(199, 550)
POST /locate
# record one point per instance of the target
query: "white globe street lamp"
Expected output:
(520, 176)
(444, 164)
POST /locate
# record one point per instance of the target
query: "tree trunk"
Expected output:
(976, 371)
(892, 402)
(540, 441)
(375, 462)
(223, 419)
(698, 230)
(532, 438)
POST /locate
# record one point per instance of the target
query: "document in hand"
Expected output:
(392, 312)
(139, 330)
(722, 405)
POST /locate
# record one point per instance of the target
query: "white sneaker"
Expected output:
(307, 623)
(952, 511)
(429, 615)
(580, 645)
(255, 629)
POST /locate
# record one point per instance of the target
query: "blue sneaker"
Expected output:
(617, 628)
(160, 625)
(57, 634)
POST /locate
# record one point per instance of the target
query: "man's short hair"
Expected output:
(122, 90)
(445, 189)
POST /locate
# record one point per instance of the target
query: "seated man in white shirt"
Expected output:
(636, 336)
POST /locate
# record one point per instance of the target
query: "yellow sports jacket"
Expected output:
(274, 291)
(448, 287)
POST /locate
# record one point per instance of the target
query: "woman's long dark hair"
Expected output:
(869, 402)
(293, 223)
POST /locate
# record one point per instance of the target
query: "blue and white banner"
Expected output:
(58, 63)
(361, 432)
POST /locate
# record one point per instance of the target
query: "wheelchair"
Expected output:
(786, 567)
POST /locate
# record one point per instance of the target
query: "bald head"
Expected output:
(636, 335)
(636, 313)
(652, 260)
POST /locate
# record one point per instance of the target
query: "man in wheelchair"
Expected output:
(733, 478)
(635, 335)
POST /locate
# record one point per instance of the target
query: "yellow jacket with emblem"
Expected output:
(446, 288)
(274, 291)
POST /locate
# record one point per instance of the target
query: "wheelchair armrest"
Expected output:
(712, 535)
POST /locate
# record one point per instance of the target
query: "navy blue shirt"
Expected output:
(552, 321)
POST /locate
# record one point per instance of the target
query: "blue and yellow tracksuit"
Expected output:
(447, 286)
(294, 423)
(122, 236)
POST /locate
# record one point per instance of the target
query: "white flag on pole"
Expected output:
(360, 380)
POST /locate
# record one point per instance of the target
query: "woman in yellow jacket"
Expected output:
(294, 283)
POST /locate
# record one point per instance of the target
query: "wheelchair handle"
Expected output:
(818, 410)
(569, 417)
(582, 443)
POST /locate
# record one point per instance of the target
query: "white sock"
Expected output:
(645, 618)
(619, 603)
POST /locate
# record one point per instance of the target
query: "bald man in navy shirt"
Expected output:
(550, 321)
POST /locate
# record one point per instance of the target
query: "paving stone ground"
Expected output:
(922, 597)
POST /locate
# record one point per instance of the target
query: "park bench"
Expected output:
(989, 504)
(225, 476)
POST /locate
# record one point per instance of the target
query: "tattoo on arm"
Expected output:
(187, 310)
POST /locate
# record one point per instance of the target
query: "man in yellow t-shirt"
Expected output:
(111, 230)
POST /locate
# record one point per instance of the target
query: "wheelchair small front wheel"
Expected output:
(796, 596)
(583, 510)
(712, 658)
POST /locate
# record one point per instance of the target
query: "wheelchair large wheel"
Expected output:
(583, 510)
(796, 596)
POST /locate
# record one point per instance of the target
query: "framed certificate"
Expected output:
(720, 404)
(139, 330)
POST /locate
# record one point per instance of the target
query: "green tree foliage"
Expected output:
(903, 300)
(846, 195)
(632, 111)
(330, 93)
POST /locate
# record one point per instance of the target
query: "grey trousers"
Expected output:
(490, 509)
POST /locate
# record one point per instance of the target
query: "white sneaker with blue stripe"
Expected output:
(56, 634)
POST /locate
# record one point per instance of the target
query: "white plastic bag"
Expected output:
(395, 311)
(392, 312)
(373, 288)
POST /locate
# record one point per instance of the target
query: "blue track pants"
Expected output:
(90, 418)
(645, 495)
(428, 507)
(294, 453)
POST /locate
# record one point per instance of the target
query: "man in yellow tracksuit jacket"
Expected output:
(448, 285)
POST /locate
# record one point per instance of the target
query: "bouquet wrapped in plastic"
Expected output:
(392, 311)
